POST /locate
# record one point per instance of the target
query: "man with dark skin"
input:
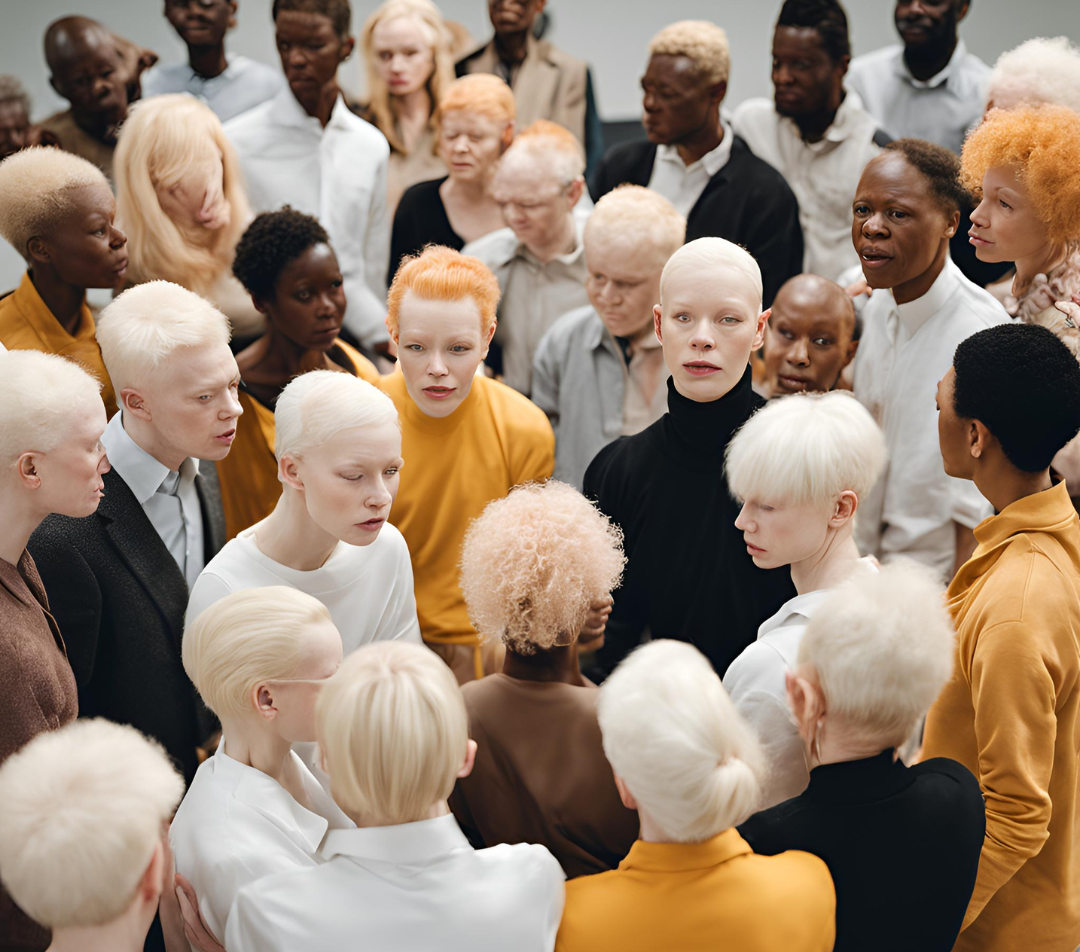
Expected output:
(15, 129)
(202, 24)
(311, 50)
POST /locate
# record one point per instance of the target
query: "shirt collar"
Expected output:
(410, 844)
(677, 857)
(1050, 511)
(288, 112)
(48, 329)
(712, 161)
(939, 78)
(802, 605)
(914, 314)
(845, 122)
(142, 473)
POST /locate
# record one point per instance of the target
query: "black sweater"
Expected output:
(420, 220)
(902, 844)
(688, 574)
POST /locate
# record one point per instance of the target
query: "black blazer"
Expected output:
(119, 598)
(747, 202)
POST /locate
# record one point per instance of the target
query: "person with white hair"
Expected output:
(799, 466)
(599, 372)
(338, 450)
(16, 132)
(1039, 70)
(689, 576)
(120, 580)
(394, 734)
(872, 660)
(692, 769)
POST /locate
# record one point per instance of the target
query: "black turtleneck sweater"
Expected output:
(902, 845)
(688, 574)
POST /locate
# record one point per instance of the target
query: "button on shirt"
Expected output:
(940, 109)
(168, 498)
(243, 85)
(904, 351)
(682, 184)
(337, 174)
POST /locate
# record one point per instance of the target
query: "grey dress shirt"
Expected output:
(244, 84)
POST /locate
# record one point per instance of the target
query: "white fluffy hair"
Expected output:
(716, 255)
(703, 42)
(35, 191)
(633, 213)
(250, 636)
(1037, 71)
(321, 403)
(806, 449)
(38, 393)
(882, 647)
(392, 726)
(548, 148)
(145, 324)
(82, 811)
(673, 735)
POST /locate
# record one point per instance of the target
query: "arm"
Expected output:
(775, 239)
(545, 380)
(399, 623)
(594, 130)
(535, 454)
(206, 590)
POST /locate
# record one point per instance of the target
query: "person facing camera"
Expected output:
(691, 768)
(532, 567)
(599, 371)
(870, 663)
(799, 466)
(394, 734)
(1011, 713)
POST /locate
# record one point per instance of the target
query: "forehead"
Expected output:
(13, 113)
(312, 261)
(420, 316)
(709, 290)
(524, 176)
(87, 200)
(1004, 176)
(400, 31)
(890, 175)
(678, 71)
(621, 255)
(91, 48)
(797, 41)
(363, 444)
(304, 24)
(201, 365)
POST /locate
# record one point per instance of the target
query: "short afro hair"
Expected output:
(1023, 384)
(1038, 71)
(939, 166)
(272, 241)
(1043, 142)
(699, 40)
(825, 16)
(339, 11)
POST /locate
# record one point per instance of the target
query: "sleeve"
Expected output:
(601, 181)
(594, 129)
(785, 755)
(545, 380)
(365, 314)
(402, 236)
(208, 588)
(21, 717)
(248, 930)
(775, 239)
(534, 453)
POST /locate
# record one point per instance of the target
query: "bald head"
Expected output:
(86, 70)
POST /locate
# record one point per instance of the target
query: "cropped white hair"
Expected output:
(717, 256)
(145, 324)
(321, 403)
(882, 646)
(638, 215)
(673, 735)
(806, 449)
(548, 147)
(1037, 71)
(38, 393)
(83, 808)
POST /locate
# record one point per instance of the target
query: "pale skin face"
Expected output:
(623, 282)
(197, 202)
(402, 53)
(1004, 226)
(470, 144)
(534, 203)
(778, 533)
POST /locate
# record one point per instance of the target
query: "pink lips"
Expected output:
(372, 525)
(439, 393)
(227, 437)
(700, 368)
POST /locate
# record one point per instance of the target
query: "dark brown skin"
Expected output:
(202, 25)
(928, 29)
(555, 664)
(311, 52)
(808, 85)
(14, 127)
(87, 71)
(680, 107)
(512, 20)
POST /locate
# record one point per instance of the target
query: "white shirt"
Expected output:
(682, 184)
(169, 499)
(243, 85)
(236, 825)
(823, 175)
(417, 887)
(368, 589)
(940, 109)
(904, 351)
(337, 174)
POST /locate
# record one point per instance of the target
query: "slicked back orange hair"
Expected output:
(443, 274)
(483, 93)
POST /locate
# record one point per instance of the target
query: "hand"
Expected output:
(195, 928)
(858, 289)
(592, 632)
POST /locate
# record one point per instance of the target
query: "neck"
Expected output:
(1003, 484)
(650, 831)
(126, 933)
(562, 243)
(512, 47)
(840, 744)
(556, 664)
(20, 519)
(207, 61)
(414, 106)
(914, 289)
(145, 436)
(64, 301)
(320, 104)
(437, 809)
(94, 127)
(265, 750)
(828, 568)
(285, 358)
(703, 141)
(290, 536)
(925, 63)
(472, 191)
(812, 127)
(1045, 260)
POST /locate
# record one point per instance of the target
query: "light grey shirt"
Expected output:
(244, 84)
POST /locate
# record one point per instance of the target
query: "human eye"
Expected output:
(391, 471)
(730, 319)
(460, 349)
(415, 348)
(303, 295)
(824, 341)
(682, 318)
(786, 334)
(899, 215)
(205, 397)
(861, 209)
(1004, 204)
(337, 283)
(353, 479)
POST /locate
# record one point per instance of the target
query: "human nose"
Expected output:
(118, 239)
(875, 225)
(380, 496)
(436, 367)
(742, 521)
(607, 292)
(103, 464)
(702, 337)
(325, 306)
(979, 218)
(799, 353)
(782, 75)
(233, 408)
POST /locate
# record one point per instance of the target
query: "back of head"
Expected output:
(882, 649)
(549, 147)
(534, 561)
(699, 40)
(12, 90)
(1037, 71)
(393, 729)
(825, 16)
(638, 215)
(480, 93)
(673, 735)
(339, 11)
(940, 167)
(443, 274)
(1023, 384)
(83, 809)
(270, 243)
(721, 259)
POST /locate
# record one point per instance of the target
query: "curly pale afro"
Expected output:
(1043, 143)
(534, 561)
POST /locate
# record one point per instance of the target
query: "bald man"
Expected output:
(809, 339)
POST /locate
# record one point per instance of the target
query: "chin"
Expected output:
(704, 390)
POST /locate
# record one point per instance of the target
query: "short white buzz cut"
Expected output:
(82, 809)
(547, 147)
(882, 647)
(715, 256)
(1037, 71)
(699, 40)
(633, 213)
(318, 405)
(38, 394)
(806, 449)
(140, 329)
(673, 735)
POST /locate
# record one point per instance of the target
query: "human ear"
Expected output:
(347, 46)
(979, 438)
(850, 356)
(657, 313)
(288, 472)
(844, 509)
(954, 223)
(573, 194)
(759, 335)
(37, 250)
(470, 760)
(625, 795)
(134, 403)
(26, 467)
(717, 92)
(153, 879)
(264, 701)
(260, 305)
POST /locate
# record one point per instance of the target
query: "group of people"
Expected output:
(451, 535)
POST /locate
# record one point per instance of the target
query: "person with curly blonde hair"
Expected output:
(532, 566)
(1037, 71)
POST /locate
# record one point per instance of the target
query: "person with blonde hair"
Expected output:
(394, 734)
(474, 125)
(409, 65)
(799, 466)
(872, 660)
(1040, 70)
(180, 199)
(486, 437)
(57, 211)
(691, 768)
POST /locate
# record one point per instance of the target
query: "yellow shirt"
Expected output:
(1011, 715)
(454, 467)
(26, 323)
(702, 897)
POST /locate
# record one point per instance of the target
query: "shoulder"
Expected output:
(614, 475)
(495, 248)
(873, 61)
(58, 533)
(979, 308)
(759, 667)
(568, 330)
(365, 134)
(422, 193)
(756, 172)
(392, 547)
(628, 155)
(532, 866)
(755, 112)
(513, 409)
(798, 885)
(253, 122)
(949, 780)
(561, 59)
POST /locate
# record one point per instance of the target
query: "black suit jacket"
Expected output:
(747, 202)
(119, 598)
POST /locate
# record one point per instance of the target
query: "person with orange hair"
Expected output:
(466, 439)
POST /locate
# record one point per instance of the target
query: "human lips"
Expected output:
(372, 525)
(700, 368)
(439, 392)
(227, 437)
(794, 384)
(873, 257)
(753, 549)
(977, 240)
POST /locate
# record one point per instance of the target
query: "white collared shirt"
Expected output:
(823, 175)
(175, 514)
(337, 174)
(904, 351)
(243, 85)
(417, 887)
(940, 109)
(236, 825)
(682, 184)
